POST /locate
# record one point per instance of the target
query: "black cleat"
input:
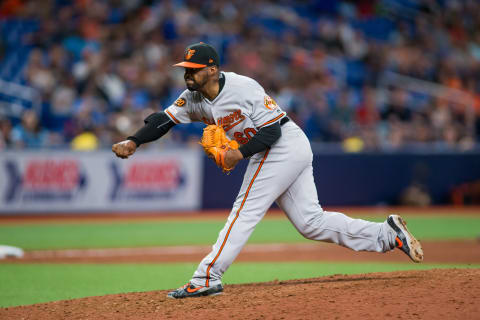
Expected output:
(189, 290)
(405, 241)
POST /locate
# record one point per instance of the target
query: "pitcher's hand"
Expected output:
(124, 149)
(232, 157)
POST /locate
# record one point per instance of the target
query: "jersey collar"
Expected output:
(221, 83)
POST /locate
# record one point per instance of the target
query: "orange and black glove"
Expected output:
(216, 144)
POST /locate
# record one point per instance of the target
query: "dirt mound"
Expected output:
(431, 294)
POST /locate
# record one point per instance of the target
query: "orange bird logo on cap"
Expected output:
(189, 54)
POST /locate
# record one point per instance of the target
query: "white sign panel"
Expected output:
(98, 181)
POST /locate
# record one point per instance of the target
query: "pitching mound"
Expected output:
(432, 294)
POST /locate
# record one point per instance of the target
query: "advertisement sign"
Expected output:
(98, 181)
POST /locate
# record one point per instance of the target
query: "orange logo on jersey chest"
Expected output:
(231, 120)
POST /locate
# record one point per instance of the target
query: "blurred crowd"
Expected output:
(101, 66)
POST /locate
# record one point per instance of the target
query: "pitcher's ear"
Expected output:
(213, 69)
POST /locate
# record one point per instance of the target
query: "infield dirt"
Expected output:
(430, 294)
(459, 251)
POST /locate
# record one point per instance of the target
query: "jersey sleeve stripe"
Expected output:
(172, 117)
(236, 217)
(273, 120)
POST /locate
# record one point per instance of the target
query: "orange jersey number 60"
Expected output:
(244, 137)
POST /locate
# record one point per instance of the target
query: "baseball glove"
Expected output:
(216, 144)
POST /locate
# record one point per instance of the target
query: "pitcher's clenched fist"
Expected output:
(124, 149)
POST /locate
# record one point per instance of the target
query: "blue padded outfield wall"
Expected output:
(361, 179)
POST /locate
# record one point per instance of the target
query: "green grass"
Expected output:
(22, 284)
(35, 283)
(165, 233)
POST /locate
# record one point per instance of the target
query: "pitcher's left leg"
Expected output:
(300, 203)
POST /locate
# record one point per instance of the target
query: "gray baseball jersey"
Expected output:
(282, 173)
(242, 108)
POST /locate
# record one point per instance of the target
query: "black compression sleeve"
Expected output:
(264, 139)
(156, 125)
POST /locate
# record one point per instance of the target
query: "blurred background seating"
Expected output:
(355, 75)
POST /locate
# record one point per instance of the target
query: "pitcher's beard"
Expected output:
(193, 87)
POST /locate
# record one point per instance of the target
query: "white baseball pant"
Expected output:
(284, 174)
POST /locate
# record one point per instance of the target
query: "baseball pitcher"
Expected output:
(244, 122)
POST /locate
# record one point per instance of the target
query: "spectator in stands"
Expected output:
(318, 126)
(39, 75)
(367, 114)
(397, 107)
(440, 117)
(342, 115)
(29, 134)
(420, 129)
(10, 8)
(5, 133)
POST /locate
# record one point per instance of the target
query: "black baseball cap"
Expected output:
(199, 55)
